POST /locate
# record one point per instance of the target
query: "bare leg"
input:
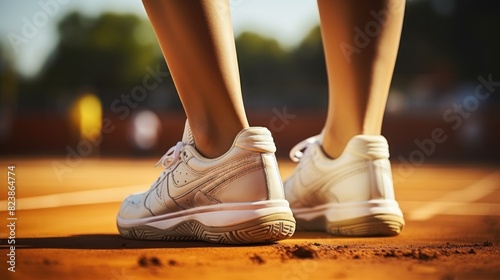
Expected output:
(360, 67)
(197, 40)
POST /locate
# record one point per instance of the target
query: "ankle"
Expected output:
(212, 143)
(331, 151)
(211, 149)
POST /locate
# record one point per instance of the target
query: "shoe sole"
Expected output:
(370, 218)
(232, 223)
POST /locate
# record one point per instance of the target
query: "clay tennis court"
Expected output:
(65, 229)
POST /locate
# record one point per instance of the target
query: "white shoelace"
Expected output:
(170, 156)
(297, 152)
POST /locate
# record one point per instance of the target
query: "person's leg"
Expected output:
(343, 184)
(196, 38)
(361, 40)
(236, 193)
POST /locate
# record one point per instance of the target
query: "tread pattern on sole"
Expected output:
(265, 229)
(373, 225)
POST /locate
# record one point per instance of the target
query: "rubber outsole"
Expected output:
(264, 229)
(372, 225)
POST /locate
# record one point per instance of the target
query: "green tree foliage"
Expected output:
(271, 74)
(309, 58)
(106, 52)
(262, 61)
(465, 40)
(110, 52)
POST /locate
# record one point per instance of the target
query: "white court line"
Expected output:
(115, 194)
(443, 204)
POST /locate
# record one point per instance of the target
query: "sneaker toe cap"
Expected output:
(133, 207)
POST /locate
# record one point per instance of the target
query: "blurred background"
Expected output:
(87, 79)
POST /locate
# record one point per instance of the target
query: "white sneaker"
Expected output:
(235, 199)
(352, 195)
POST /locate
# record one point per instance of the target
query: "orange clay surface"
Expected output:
(65, 229)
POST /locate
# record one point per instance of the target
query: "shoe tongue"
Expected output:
(187, 136)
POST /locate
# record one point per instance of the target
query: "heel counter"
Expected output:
(380, 176)
(369, 147)
(274, 184)
(374, 149)
(259, 178)
(257, 181)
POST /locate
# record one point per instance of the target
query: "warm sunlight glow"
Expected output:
(146, 129)
(88, 111)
